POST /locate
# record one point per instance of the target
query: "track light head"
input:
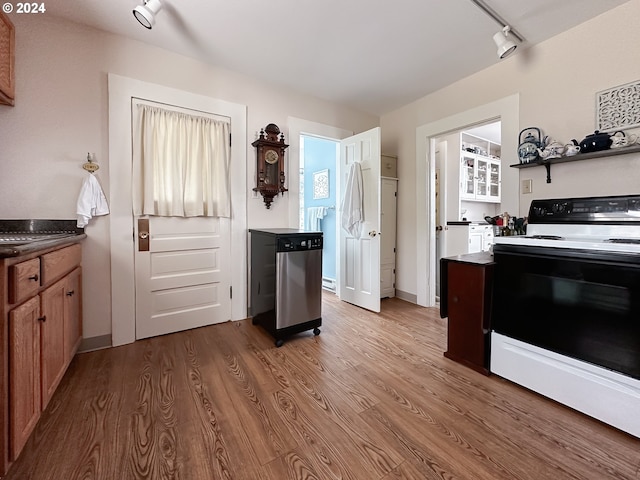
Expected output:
(505, 46)
(145, 14)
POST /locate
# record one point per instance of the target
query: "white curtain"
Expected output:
(181, 165)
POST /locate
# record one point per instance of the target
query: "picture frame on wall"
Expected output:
(321, 184)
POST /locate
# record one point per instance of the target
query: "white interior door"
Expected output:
(182, 273)
(181, 265)
(359, 279)
(441, 208)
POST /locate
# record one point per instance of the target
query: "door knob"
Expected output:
(143, 235)
(373, 233)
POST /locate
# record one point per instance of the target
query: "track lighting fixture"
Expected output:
(145, 14)
(505, 46)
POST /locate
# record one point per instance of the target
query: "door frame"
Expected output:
(298, 127)
(121, 91)
(507, 110)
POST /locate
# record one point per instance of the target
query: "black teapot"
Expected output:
(595, 142)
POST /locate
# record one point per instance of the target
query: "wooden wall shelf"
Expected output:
(580, 156)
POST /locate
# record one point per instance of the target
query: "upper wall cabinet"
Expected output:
(480, 176)
(7, 60)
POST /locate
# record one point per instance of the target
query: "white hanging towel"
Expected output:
(314, 215)
(91, 201)
(352, 210)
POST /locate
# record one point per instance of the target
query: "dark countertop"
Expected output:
(22, 237)
(463, 222)
(482, 258)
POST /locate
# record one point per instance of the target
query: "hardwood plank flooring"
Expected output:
(371, 397)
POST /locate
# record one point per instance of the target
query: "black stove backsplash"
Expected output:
(39, 226)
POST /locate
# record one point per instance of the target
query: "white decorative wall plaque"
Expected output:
(618, 108)
(321, 184)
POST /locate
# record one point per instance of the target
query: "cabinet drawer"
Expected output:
(57, 264)
(24, 280)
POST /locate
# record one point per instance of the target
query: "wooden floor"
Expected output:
(370, 398)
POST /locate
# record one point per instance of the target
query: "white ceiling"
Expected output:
(372, 55)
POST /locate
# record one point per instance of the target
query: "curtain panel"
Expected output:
(181, 165)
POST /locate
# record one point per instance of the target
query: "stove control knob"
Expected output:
(540, 211)
(559, 208)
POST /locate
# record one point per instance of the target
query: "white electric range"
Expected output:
(566, 306)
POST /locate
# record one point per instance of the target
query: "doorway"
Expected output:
(452, 202)
(507, 111)
(318, 198)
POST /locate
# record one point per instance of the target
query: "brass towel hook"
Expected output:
(90, 165)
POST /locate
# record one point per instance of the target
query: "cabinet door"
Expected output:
(482, 166)
(468, 177)
(494, 181)
(24, 373)
(72, 314)
(468, 301)
(52, 338)
(7, 60)
(475, 241)
(388, 207)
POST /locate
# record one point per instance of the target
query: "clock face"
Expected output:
(271, 156)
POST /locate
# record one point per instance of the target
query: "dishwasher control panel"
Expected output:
(299, 242)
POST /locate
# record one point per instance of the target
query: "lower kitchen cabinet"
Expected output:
(468, 238)
(72, 314)
(44, 333)
(53, 366)
(466, 283)
(24, 373)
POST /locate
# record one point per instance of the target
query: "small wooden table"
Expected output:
(466, 283)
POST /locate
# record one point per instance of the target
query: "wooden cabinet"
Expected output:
(24, 373)
(52, 302)
(42, 301)
(72, 314)
(467, 282)
(24, 279)
(7, 60)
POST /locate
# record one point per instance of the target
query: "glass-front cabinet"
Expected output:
(479, 170)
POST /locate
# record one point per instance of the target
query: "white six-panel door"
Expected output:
(359, 281)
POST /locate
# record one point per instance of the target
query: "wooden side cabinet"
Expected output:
(42, 301)
(466, 287)
(7, 60)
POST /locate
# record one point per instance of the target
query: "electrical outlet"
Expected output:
(527, 186)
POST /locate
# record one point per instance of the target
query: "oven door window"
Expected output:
(579, 304)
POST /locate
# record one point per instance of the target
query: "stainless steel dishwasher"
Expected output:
(286, 281)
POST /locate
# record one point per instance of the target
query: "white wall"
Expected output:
(61, 114)
(557, 82)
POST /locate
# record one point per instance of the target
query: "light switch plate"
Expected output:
(527, 186)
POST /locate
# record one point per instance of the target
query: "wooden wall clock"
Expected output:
(270, 149)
